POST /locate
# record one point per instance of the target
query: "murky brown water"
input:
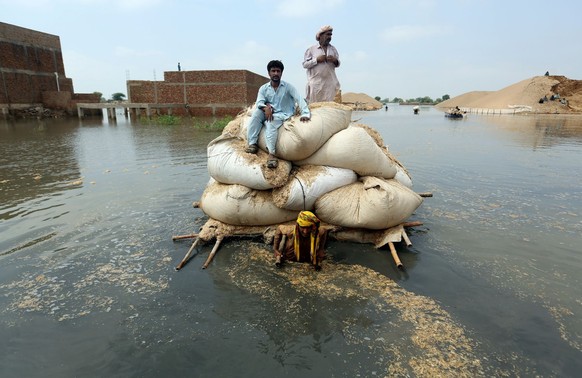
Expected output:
(88, 287)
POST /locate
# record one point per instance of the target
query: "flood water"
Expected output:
(88, 287)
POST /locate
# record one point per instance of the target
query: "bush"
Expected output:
(211, 124)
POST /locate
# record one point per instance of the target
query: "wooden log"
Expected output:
(427, 194)
(180, 237)
(187, 257)
(412, 224)
(213, 252)
(406, 239)
(395, 256)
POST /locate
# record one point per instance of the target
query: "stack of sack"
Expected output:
(340, 170)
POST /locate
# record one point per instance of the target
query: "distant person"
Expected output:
(276, 102)
(179, 68)
(547, 73)
(306, 243)
(386, 107)
(320, 61)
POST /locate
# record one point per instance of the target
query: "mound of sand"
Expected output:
(360, 101)
(525, 94)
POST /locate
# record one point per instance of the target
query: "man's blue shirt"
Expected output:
(282, 100)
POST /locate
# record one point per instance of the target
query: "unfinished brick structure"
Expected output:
(32, 73)
(202, 93)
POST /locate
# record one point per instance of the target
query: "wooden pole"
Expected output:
(412, 224)
(427, 194)
(187, 257)
(395, 256)
(406, 239)
(212, 253)
(180, 237)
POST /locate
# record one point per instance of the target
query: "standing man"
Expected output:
(305, 243)
(275, 104)
(320, 61)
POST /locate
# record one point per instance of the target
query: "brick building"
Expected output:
(32, 72)
(32, 75)
(201, 93)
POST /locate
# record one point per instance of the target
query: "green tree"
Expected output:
(446, 97)
(101, 98)
(377, 98)
(117, 96)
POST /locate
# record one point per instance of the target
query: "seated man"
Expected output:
(276, 103)
(304, 243)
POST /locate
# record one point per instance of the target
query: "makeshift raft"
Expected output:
(218, 231)
(337, 168)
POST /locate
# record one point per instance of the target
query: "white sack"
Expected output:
(228, 163)
(372, 203)
(306, 184)
(353, 148)
(241, 206)
(403, 177)
(298, 140)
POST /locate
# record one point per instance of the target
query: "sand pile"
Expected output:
(526, 95)
(360, 101)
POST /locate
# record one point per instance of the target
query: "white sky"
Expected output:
(388, 48)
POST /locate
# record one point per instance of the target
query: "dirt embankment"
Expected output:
(360, 101)
(562, 95)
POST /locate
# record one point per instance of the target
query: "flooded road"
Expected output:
(88, 286)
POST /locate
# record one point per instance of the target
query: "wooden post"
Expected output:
(406, 239)
(187, 257)
(211, 255)
(395, 256)
(180, 237)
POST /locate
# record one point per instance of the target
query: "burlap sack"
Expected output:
(228, 163)
(298, 140)
(353, 148)
(307, 183)
(242, 206)
(372, 203)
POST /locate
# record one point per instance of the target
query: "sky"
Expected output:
(388, 48)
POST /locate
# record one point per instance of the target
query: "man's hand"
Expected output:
(278, 259)
(332, 59)
(268, 109)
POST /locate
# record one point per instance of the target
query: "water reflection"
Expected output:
(495, 265)
(541, 131)
(37, 160)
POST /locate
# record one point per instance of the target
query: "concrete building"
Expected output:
(32, 73)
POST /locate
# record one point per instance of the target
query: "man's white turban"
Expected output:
(323, 29)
